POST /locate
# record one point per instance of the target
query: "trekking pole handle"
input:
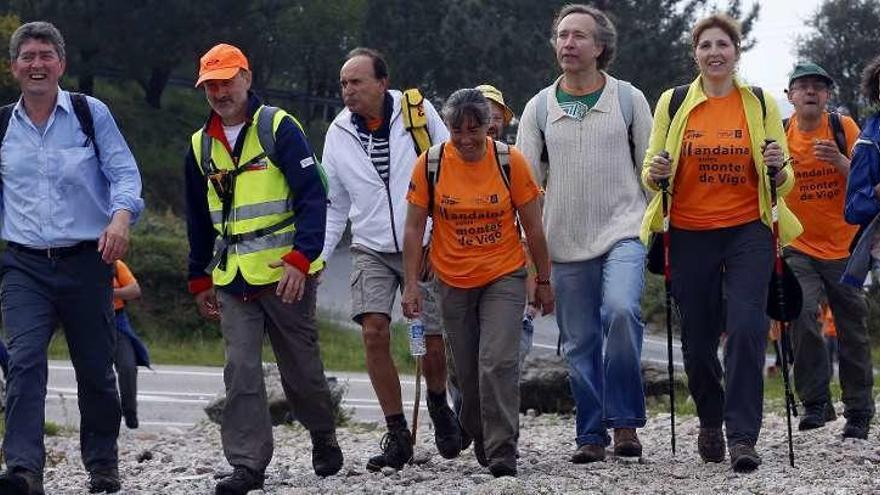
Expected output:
(770, 170)
(664, 183)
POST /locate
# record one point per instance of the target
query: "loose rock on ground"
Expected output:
(186, 462)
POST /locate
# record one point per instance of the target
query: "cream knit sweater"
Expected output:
(593, 194)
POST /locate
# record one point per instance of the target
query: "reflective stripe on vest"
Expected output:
(261, 199)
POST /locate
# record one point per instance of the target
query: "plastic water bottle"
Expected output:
(417, 338)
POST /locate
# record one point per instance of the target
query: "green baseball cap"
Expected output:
(805, 69)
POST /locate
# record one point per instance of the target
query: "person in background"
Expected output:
(130, 350)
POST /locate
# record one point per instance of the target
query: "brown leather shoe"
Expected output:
(626, 443)
(588, 453)
(710, 444)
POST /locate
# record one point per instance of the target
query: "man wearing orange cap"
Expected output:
(250, 176)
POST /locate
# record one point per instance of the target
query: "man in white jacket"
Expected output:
(368, 158)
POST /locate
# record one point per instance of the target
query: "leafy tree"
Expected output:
(444, 45)
(843, 39)
(8, 87)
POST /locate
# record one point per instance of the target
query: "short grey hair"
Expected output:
(37, 30)
(605, 35)
(464, 103)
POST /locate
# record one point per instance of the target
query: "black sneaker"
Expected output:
(710, 444)
(397, 450)
(447, 432)
(857, 426)
(21, 482)
(744, 458)
(241, 481)
(815, 415)
(326, 454)
(104, 480)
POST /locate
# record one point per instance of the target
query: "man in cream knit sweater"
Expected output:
(594, 135)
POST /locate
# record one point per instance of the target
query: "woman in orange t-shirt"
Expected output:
(479, 266)
(130, 350)
(720, 236)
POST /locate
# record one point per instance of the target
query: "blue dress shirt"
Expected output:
(55, 192)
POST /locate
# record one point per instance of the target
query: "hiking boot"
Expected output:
(588, 453)
(447, 432)
(499, 469)
(326, 454)
(21, 482)
(397, 450)
(626, 443)
(104, 480)
(131, 420)
(710, 444)
(480, 452)
(815, 416)
(857, 426)
(744, 458)
(241, 481)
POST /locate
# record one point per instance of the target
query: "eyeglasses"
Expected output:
(805, 85)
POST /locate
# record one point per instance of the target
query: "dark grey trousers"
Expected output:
(735, 262)
(812, 369)
(483, 327)
(246, 427)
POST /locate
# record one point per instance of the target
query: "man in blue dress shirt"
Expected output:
(67, 204)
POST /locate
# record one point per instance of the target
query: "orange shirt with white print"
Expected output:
(122, 278)
(716, 184)
(817, 198)
(475, 239)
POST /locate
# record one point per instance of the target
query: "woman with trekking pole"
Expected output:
(475, 188)
(720, 234)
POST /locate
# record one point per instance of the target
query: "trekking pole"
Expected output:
(667, 282)
(418, 399)
(780, 297)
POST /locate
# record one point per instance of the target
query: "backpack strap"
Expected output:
(415, 120)
(838, 133)
(432, 172)
(266, 131)
(84, 115)
(625, 100)
(502, 159)
(678, 96)
(5, 116)
(541, 117)
(760, 94)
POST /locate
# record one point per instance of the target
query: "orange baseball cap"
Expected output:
(223, 61)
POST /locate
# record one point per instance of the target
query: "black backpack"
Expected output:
(80, 109)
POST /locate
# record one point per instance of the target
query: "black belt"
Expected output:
(54, 253)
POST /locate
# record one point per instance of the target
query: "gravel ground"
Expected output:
(184, 462)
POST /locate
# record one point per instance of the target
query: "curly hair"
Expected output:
(871, 80)
(724, 22)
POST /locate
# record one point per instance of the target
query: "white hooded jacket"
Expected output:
(356, 191)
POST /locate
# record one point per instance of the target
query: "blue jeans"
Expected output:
(597, 309)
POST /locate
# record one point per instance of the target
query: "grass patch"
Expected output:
(342, 349)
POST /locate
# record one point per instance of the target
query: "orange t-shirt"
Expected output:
(819, 193)
(123, 278)
(716, 184)
(475, 239)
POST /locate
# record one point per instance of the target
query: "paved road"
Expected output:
(174, 396)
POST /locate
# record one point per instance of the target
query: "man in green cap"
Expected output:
(820, 142)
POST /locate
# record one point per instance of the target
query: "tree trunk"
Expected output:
(156, 85)
(87, 83)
